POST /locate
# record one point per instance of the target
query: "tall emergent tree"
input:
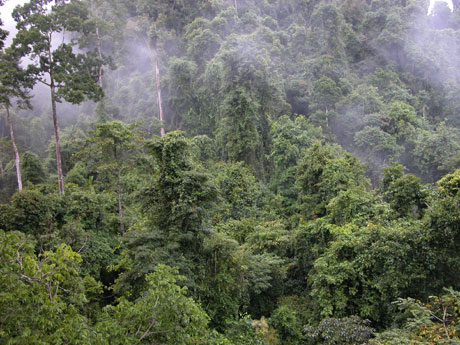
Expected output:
(102, 33)
(14, 83)
(70, 76)
(154, 47)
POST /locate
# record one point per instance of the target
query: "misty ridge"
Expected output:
(230, 172)
(420, 46)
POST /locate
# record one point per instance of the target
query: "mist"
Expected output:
(278, 57)
(8, 21)
(433, 2)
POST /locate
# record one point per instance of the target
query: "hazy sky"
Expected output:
(448, 2)
(8, 22)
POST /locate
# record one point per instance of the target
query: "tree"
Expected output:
(444, 229)
(101, 27)
(240, 130)
(322, 173)
(176, 202)
(32, 170)
(344, 331)
(162, 315)
(290, 140)
(435, 322)
(14, 83)
(69, 76)
(365, 268)
(403, 192)
(111, 141)
(42, 295)
(154, 47)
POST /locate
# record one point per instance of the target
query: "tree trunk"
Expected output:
(58, 139)
(157, 79)
(99, 52)
(15, 148)
(236, 6)
(55, 122)
(120, 208)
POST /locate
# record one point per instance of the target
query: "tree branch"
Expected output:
(147, 331)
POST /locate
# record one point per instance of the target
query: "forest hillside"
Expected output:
(230, 172)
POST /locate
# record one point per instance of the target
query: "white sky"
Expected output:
(432, 2)
(8, 22)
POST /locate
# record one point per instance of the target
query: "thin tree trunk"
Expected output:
(236, 6)
(55, 122)
(58, 139)
(15, 148)
(120, 208)
(1, 167)
(99, 52)
(157, 79)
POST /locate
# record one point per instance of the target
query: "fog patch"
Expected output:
(433, 2)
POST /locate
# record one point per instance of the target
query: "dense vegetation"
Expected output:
(304, 188)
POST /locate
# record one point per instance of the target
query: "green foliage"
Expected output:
(72, 141)
(240, 193)
(434, 322)
(323, 172)
(176, 202)
(237, 280)
(358, 275)
(325, 94)
(162, 314)
(31, 213)
(240, 131)
(285, 322)
(242, 332)
(14, 81)
(433, 152)
(71, 73)
(444, 228)
(31, 168)
(42, 297)
(332, 331)
(290, 140)
(403, 192)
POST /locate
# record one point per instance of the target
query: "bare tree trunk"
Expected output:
(99, 52)
(236, 6)
(120, 208)
(58, 139)
(55, 122)
(157, 79)
(15, 148)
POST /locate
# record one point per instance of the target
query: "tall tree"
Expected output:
(14, 83)
(102, 33)
(110, 142)
(154, 48)
(69, 76)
